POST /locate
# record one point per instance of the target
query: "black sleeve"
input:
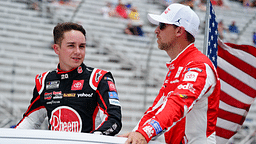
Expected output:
(108, 101)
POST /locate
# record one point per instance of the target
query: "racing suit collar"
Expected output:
(59, 71)
(170, 64)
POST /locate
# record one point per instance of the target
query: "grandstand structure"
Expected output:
(136, 63)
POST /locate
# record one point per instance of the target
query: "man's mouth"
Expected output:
(76, 59)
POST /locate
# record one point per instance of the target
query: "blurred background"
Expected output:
(119, 39)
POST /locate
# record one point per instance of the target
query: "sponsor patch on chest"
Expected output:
(178, 72)
(77, 85)
(85, 95)
(190, 76)
(65, 118)
(52, 84)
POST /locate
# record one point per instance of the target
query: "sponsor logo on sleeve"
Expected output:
(149, 130)
(113, 95)
(108, 78)
(39, 78)
(98, 75)
(77, 85)
(52, 84)
(111, 86)
(111, 129)
(156, 126)
(189, 87)
(114, 102)
(190, 76)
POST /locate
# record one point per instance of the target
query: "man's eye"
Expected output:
(70, 45)
(82, 46)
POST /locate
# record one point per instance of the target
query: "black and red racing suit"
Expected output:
(81, 100)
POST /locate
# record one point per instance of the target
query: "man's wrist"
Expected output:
(143, 134)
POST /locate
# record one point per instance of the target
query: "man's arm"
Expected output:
(109, 106)
(35, 114)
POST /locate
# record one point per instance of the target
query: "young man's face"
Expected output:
(72, 50)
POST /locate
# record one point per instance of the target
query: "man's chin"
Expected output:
(77, 64)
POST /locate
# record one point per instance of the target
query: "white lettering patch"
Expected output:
(175, 81)
(114, 102)
(178, 72)
(190, 76)
(148, 130)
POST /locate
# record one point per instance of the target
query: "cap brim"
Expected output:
(155, 19)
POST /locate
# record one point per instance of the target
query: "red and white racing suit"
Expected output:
(187, 104)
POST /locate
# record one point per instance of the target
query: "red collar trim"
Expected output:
(59, 71)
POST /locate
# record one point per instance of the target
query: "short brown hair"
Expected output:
(190, 37)
(61, 28)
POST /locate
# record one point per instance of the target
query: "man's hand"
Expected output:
(134, 138)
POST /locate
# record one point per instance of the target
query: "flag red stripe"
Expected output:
(232, 101)
(234, 82)
(236, 62)
(247, 48)
(224, 133)
(235, 118)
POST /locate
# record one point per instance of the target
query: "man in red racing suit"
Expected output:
(186, 108)
(187, 104)
(74, 97)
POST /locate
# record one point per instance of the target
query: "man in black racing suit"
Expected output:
(76, 98)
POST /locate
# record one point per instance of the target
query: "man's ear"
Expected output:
(56, 48)
(180, 31)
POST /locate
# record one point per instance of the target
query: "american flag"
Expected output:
(212, 37)
(237, 71)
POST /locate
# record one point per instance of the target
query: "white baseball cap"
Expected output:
(179, 15)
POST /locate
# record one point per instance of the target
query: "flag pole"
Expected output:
(206, 31)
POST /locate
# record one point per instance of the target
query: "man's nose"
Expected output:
(157, 30)
(77, 50)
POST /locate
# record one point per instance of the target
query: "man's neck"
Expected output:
(175, 51)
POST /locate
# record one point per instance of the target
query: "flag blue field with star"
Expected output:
(213, 37)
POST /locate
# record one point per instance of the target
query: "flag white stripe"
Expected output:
(232, 109)
(237, 73)
(242, 55)
(235, 93)
(228, 125)
(221, 140)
